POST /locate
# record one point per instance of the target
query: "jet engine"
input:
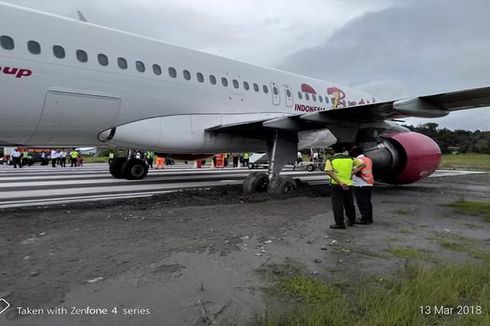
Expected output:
(404, 158)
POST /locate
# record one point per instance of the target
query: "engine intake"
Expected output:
(404, 158)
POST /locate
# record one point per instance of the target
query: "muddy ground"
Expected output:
(193, 257)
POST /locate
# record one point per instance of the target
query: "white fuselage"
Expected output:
(57, 101)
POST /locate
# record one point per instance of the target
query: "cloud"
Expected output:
(390, 48)
(419, 48)
(262, 32)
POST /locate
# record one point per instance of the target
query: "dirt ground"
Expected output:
(193, 257)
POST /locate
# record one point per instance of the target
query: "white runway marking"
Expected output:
(44, 185)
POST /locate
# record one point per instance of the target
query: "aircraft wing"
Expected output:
(430, 106)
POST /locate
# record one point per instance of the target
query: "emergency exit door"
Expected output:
(289, 96)
(276, 97)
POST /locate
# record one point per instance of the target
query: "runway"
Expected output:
(44, 185)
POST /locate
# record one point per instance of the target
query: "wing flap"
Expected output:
(461, 100)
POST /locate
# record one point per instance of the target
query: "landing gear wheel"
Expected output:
(135, 169)
(310, 168)
(255, 182)
(280, 185)
(251, 166)
(116, 167)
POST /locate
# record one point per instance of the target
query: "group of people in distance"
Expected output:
(351, 174)
(60, 157)
(24, 157)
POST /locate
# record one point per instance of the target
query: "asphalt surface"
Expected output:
(44, 185)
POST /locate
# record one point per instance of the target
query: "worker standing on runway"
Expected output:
(339, 167)
(73, 157)
(236, 157)
(149, 159)
(246, 158)
(54, 157)
(63, 155)
(25, 158)
(363, 181)
(111, 158)
(16, 158)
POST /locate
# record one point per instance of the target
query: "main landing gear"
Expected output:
(281, 150)
(131, 169)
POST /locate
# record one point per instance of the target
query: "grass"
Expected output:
(301, 299)
(472, 208)
(308, 290)
(376, 301)
(406, 230)
(407, 252)
(469, 160)
(95, 159)
(457, 243)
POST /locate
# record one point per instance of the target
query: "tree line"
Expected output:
(455, 140)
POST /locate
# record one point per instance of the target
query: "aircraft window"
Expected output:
(34, 47)
(307, 97)
(256, 87)
(235, 83)
(314, 97)
(187, 75)
(157, 70)
(140, 66)
(288, 93)
(7, 42)
(122, 63)
(320, 98)
(274, 89)
(300, 95)
(200, 77)
(224, 81)
(326, 99)
(266, 89)
(82, 56)
(212, 79)
(103, 60)
(172, 72)
(59, 51)
(246, 86)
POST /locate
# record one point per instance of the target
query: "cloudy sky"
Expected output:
(390, 48)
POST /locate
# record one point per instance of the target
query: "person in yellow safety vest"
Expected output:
(149, 159)
(246, 158)
(363, 181)
(339, 167)
(25, 158)
(111, 158)
(73, 157)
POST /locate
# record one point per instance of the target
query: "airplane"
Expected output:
(66, 82)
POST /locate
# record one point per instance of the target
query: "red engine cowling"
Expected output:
(404, 158)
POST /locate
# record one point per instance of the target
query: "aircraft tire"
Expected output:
(256, 182)
(280, 185)
(116, 167)
(135, 169)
